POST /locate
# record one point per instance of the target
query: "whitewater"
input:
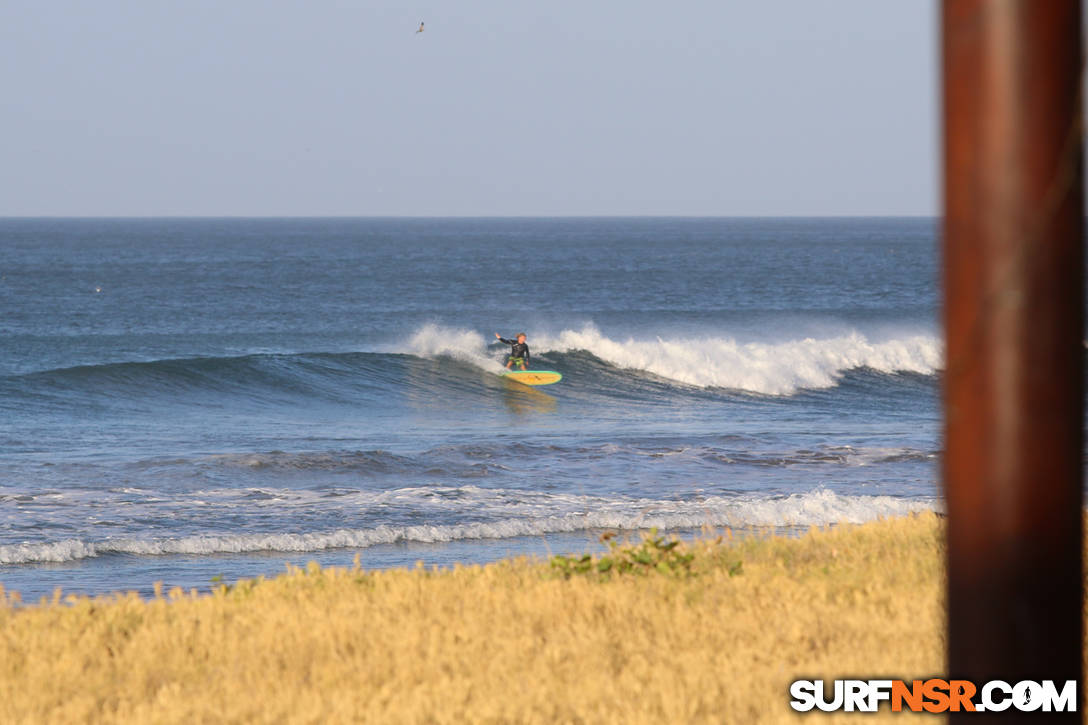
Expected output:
(589, 514)
(768, 368)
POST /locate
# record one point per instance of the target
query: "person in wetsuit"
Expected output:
(519, 351)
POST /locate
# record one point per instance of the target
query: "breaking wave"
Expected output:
(576, 513)
(779, 368)
(586, 357)
(775, 368)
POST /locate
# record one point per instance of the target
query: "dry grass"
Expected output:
(507, 642)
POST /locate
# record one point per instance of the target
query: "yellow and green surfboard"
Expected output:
(533, 377)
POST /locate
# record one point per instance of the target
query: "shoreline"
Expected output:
(92, 568)
(515, 640)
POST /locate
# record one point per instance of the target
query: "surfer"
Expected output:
(519, 351)
(420, 29)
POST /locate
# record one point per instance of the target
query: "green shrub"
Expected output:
(655, 554)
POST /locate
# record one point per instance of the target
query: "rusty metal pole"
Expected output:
(1014, 390)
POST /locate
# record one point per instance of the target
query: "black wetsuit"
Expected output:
(519, 351)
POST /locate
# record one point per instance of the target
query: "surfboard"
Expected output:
(533, 377)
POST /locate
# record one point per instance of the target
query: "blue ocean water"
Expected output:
(187, 398)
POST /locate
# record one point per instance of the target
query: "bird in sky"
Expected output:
(420, 29)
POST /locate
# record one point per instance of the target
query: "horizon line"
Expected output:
(469, 216)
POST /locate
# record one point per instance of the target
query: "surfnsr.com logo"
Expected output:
(934, 695)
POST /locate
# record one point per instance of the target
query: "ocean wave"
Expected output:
(253, 379)
(369, 461)
(779, 368)
(814, 508)
(481, 458)
(769, 368)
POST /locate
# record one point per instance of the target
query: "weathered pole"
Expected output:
(1013, 314)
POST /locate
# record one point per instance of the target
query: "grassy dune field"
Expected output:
(712, 632)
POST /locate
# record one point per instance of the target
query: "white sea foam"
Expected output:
(778, 368)
(539, 514)
(465, 345)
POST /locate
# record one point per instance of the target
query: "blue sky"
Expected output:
(263, 107)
